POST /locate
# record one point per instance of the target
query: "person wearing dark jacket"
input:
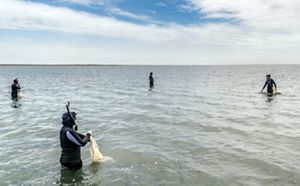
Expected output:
(71, 141)
(269, 83)
(15, 89)
(151, 80)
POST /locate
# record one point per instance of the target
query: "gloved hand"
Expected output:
(90, 132)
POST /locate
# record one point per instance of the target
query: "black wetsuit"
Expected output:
(14, 90)
(269, 83)
(151, 81)
(70, 142)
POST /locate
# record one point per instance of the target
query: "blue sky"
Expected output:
(153, 11)
(149, 31)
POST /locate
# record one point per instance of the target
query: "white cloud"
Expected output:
(266, 29)
(84, 2)
(112, 9)
(118, 11)
(269, 16)
(188, 7)
(34, 16)
(161, 4)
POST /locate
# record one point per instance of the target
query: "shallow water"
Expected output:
(199, 125)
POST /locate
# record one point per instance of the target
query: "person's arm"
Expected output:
(76, 138)
(88, 133)
(275, 85)
(18, 88)
(81, 135)
(264, 86)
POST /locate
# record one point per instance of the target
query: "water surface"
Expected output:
(199, 125)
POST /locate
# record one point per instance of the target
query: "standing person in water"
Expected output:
(151, 80)
(71, 141)
(15, 89)
(269, 83)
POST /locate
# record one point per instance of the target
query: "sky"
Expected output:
(150, 32)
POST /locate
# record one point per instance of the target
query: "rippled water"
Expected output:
(200, 125)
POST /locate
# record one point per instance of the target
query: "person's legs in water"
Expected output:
(270, 91)
(71, 177)
(14, 96)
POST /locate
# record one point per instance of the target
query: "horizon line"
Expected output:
(28, 64)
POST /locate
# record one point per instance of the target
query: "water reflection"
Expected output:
(15, 102)
(95, 167)
(71, 177)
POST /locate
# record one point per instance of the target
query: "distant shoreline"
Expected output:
(58, 65)
(146, 65)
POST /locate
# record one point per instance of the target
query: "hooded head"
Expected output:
(16, 81)
(67, 120)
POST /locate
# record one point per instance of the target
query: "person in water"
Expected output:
(15, 89)
(71, 141)
(151, 80)
(269, 83)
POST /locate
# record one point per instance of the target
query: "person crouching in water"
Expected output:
(71, 141)
(15, 89)
(269, 83)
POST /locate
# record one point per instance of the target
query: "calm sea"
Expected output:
(199, 125)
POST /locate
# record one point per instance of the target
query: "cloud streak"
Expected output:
(115, 11)
(35, 16)
(84, 2)
(282, 15)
